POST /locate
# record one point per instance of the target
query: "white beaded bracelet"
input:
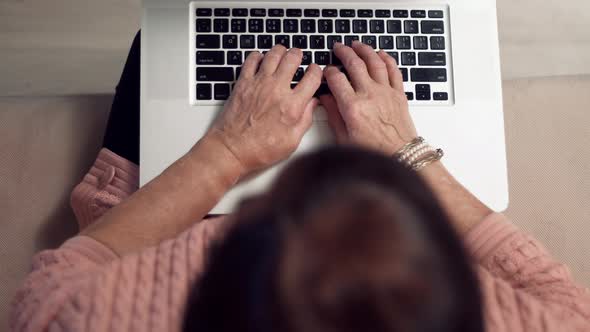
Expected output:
(418, 154)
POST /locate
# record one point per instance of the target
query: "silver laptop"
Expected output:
(447, 50)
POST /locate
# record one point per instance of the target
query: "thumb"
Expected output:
(307, 118)
(334, 118)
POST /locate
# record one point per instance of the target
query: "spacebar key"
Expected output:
(428, 74)
(215, 74)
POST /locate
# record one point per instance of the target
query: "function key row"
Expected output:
(206, 25)
(279, 12)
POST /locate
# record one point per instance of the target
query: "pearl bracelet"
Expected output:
(418, 154)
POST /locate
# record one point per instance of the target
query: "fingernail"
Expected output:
(355, 42)
(338, 44)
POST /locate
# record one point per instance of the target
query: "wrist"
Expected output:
(214, 151)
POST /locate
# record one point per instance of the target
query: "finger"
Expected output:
(272, 59)
(339, 85)
(355, 66)
(310, 82)
(334, 118)
(251, 64)
(306, 118)
(375, 64)
(289, 65)
(396, 79)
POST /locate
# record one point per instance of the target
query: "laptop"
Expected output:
(447, 50)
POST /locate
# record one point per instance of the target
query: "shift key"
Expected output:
(215, 74)
(428, 74)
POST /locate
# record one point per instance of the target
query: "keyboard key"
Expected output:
(349, 39)
(300, 41)
(409, 58)
(290, 25)
(311, 13)
(239, 70)
(306, 58)
(258, 12)
(370, 40)
(394, 55)
(433, 27)
(325, 26)
(377, 26)
(342, 26)
(429, 74)
(294, 12)
(332, 40)
(432, 59)
(394, 26)
(386, 42)
(204, 12)
(308, 26)
(359, 26)
(336, 61)
(210, 58)
(215, 74)
(347, 13)
(410, 26)
(322, 58)
(317, 42)
(322, 90)
(410, 95)
(437, 43)
(247, 41)
(203, 91)
(418, 13)
(298, 74)
(230, 41)
(203, 25)
(273, 25)
(329, 12)
(239, 12)
(234, 58)
(238, 25)
(420, 43)
(382, 13)
(256, 25)
(221, 25)
(403, 42)
(276, 12)
(400, 13)
(404, 74)
(284, 40)
(440, 96)
(365, 13)
(423, 92)
(265, 42)
(221, 91)
(208, 41)
(435, 14)
(222, 12)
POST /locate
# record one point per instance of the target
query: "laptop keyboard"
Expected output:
(224, 35)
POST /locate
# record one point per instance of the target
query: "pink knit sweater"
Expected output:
(84, 286)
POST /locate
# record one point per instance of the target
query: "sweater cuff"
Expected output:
(489, 235)
(91, 249)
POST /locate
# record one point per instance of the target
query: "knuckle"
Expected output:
(356, 62)
(378, 64)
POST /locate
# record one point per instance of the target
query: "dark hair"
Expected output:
(345, 240)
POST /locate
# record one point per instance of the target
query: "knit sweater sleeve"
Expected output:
(524, 288)
(82, 287)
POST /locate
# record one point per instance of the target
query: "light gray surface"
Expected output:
(65, 47)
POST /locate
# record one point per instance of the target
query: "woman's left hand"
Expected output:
(265, 120)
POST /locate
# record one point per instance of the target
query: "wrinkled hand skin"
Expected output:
(370, 110)
(265, 120)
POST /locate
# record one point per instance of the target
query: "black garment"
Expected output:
(122, 134)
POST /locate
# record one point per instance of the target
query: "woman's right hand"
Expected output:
(371, 109)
